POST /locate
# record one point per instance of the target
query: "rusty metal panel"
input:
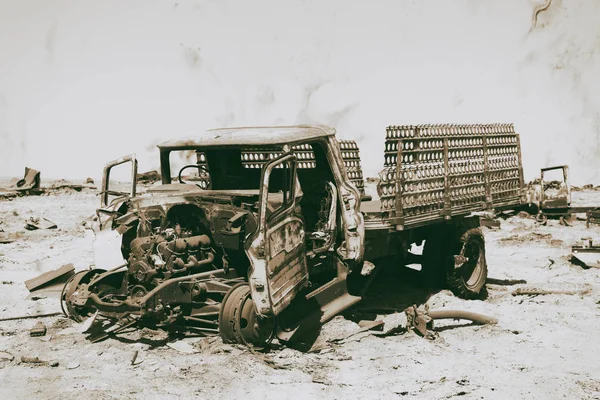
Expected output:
(436, 171)
(287, 271)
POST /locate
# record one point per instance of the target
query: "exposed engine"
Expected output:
(176, 276)
(170, 253)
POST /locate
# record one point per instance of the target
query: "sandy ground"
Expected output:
(543, 347)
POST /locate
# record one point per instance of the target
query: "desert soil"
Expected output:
(543, 347)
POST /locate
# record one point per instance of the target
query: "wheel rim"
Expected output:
(238, 321)
(471, 270)
(73, 311)
(226, 314)
(253, 330)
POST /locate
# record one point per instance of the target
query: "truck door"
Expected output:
(277, 253)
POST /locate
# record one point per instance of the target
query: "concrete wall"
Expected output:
(82, 82)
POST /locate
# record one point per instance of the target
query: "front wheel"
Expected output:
(468, 279)
(238, 321)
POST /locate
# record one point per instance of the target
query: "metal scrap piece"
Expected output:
(587, 255)
(418, 321)
(38, 329)
(49, 283)
(34, 223)
(30, 181)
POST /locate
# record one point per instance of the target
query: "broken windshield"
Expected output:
(228, 168)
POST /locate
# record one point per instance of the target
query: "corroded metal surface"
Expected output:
(251, 136)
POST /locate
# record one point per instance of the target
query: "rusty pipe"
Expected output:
(478, 319)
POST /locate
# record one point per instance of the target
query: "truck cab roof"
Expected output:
(250, 136)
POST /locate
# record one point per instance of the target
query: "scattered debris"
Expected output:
(32, 360)
(592, 217)
(477, 319)
(182, 347)
(490, 223)
(87, 324)
(38, 329)
(371, 324)
(31, 316)
(54, 364)
(366, 326)
(212, 345)
(505, 214)
(419, 322)
(505, 282)
(6, 356)
(122, 325)
(30, 182)
(63, 184)
(134, 357)
(4, 195)
(538, 292)
(394, 324)
(541, 218)
(530, 237)
(49, 283)
(586, 255)
(6, 238)
(39, 223)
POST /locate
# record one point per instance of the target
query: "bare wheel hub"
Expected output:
(70, 301)
(238, 321)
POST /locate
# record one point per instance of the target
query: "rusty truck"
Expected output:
(269, 233)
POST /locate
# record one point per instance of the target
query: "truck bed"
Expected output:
(435, 172)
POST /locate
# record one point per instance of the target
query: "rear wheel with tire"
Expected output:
(468, 280)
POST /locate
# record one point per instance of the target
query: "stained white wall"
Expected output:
(83, 82)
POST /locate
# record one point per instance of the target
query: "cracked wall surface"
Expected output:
(82, 83)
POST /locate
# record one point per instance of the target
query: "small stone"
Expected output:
(73, 365)
(54, 363)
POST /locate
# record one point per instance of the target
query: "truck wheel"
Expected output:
(238, 321)
(468, 280)
(435, 260)
(541, 218)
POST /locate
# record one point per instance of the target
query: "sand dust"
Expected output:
(544, 347)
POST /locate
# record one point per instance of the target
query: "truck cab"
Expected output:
(276, 204)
